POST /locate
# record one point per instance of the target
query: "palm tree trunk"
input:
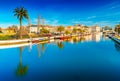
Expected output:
(20, 28)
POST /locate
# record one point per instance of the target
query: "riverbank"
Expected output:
(20, 41)
(34, 40)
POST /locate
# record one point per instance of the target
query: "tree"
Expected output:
(0, 30)
(15, 28)
(117, 28)
(67, 32)
(60, 29)
(74, 30)
(21, 13)
(44, 31)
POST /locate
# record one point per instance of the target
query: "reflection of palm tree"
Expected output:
(60, 45)
(21, 70)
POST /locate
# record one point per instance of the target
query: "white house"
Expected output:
(35, 29)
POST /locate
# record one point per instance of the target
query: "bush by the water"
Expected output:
(6, 37)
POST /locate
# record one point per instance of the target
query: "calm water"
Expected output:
(95, 58)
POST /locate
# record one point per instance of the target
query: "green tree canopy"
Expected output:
(44, 31)
(74, 30)
(60, 29)
(117, 28)
(67, 32)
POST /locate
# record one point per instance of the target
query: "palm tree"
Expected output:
(21, 13)
(44, 31)
(60, 29)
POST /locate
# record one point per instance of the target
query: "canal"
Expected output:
(88, 58)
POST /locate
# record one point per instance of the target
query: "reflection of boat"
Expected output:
(37, 40)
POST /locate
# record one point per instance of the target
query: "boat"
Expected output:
(62, 38)
(35, 41)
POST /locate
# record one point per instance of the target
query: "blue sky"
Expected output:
(63, 12)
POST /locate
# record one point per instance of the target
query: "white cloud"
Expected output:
(100, 23)
(115, 6)
(91, 17)
(52, 22)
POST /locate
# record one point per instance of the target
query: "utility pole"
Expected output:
(38, 31)
(29, 25)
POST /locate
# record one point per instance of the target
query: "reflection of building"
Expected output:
(96, 29)
(96, 37)
(88, 38)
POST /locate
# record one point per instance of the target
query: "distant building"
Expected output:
(69, 28)
(36, 29)
(8, 31)
(79, 26)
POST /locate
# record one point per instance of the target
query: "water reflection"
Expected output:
(60, 44)
(21, 69)
(88, 38)
(39, 51)
(30, 47)
(117, 46)
(43, 47)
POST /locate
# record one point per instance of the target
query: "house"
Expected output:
(35, 28)
(69, 28)
(8, 31)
